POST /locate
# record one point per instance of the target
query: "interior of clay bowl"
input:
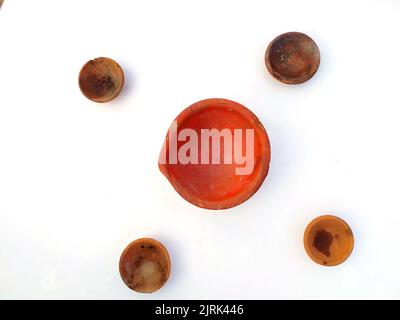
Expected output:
(218, 185)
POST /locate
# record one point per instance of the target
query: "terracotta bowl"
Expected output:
(217, 185)
(292, 58)
(328, 240)
(101, 79)
(145, 265)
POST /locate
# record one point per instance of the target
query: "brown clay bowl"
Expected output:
(292, 58)
(101, 80)
(217, 185)
(145, 265)
(328, 240)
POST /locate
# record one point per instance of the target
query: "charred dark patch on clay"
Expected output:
(322, 242)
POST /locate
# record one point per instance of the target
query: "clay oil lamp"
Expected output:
(292, 58)
(101, 79)
(211, 176)
(328, 240)
(145, 265)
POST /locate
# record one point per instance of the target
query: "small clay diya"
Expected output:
(292, 58)
(145, 265)
(101, 79)
(211, 177)
(328, 240)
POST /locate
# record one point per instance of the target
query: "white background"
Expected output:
(79, 180)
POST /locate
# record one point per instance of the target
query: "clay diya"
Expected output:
(292, 58)
(328, 240)
(145, 265)
(211, 176)
(101, 79)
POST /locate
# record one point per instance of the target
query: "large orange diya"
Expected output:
(216, 154)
